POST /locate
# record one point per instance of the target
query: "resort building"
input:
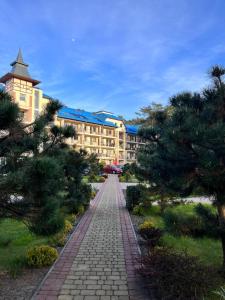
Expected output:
(102, 133)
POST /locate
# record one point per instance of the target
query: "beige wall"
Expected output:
(109, 143)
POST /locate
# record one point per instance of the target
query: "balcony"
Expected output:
(108, 145)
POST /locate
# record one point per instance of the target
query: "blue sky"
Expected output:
(117, 55)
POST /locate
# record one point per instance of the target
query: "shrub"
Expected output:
(40, 256)
(182, 223)
(101, 179)
(148, 224)
(151, 235)
(58, 240)
(135, 195)
(93, 193)
(122, 179)
(175, 275)
(81, 209)
(67, 227)
(71, 218)
(92, 178)
(138, 210)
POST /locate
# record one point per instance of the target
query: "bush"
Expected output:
(101, 179)
(152, 236)
(40, 256)
(135, 195)
(138, 210)
(58, 240)
(175, 275)
(92, 178)
(71, 218)
(182, 223)
(80, 209)
(148, 224)
(67, 227)
(93, 193)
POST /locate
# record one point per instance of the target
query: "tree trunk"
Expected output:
(221, 213)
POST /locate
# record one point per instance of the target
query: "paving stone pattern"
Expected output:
(100, 260)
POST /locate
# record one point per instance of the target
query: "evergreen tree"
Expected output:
(31, 175)
(186, 145)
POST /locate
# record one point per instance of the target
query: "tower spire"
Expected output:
(19, 58)
(19, 70)
(19, 67)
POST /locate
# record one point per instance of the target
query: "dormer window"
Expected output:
(22, 97)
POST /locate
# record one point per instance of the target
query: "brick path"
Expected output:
(99, 261)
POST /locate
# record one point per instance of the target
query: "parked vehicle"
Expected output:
(111, 169)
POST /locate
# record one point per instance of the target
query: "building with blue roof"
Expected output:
(101, 132)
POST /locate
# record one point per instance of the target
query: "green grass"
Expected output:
(20, 240)
(209, 250)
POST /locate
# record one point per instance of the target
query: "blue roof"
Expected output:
(82, 116)
(104, 116)
(131, 129)
(47, 97)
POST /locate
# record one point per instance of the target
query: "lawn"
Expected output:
(208, 249)
(17, 236)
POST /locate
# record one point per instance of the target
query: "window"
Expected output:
(22, 97)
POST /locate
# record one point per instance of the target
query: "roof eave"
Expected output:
(8, 76)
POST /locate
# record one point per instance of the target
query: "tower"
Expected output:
(20, 85)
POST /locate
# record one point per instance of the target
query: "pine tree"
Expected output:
(31, 175)
(186, 145)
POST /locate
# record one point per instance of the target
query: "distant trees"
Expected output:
(185, 146)
(38, 171)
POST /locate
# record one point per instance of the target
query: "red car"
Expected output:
(111, 169)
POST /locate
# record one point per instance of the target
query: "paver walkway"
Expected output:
(99, 261)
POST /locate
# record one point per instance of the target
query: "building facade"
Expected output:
(102, 133)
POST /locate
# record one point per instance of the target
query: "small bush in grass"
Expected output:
(93, 193)
(174, 275)
(122, 179)
(58, 240)
(71, 218)
(135, 195)
(81, 209)
(150, 234)
(138, 210)
(147, 224)
(101, 179)
(67, 227)
(40, 256)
